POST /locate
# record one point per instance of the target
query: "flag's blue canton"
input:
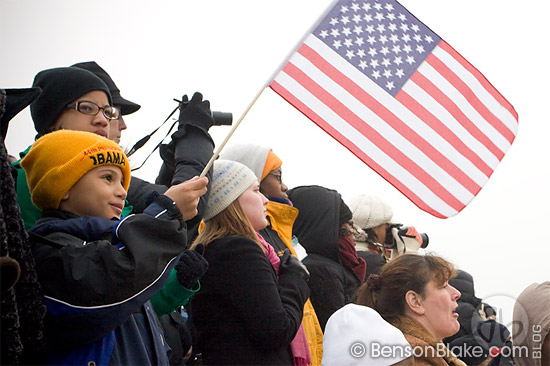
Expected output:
(380, 38)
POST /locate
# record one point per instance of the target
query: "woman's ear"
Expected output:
(414, 302)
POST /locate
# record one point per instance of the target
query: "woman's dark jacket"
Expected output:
(98, 275)
(242, 314)
(332, 283)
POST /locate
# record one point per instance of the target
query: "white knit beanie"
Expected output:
(253, 156)
(370, 211)
(229, 181)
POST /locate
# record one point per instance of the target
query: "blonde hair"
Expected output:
(231, 221)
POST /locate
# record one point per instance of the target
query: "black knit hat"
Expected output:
(126, 107)
(60, 87)
(13, 101)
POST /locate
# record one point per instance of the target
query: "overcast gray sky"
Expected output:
(156, 51)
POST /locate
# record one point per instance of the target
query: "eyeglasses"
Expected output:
(277, 176)
(91, 109)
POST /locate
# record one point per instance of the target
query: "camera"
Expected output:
(220, 118)
(402, 239)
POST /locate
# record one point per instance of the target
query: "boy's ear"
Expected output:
(414, 302)
(65, 196)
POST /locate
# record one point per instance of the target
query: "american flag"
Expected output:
(402, 100)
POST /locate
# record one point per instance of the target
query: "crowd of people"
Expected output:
(100, 267)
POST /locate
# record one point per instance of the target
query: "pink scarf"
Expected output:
(299, 346)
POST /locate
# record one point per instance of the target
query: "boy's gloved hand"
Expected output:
(289, 262)
(196, 112)
(191, 267)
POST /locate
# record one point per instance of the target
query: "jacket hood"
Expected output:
(317, 225)
(464, 282)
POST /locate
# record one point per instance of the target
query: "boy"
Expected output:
(97, 272)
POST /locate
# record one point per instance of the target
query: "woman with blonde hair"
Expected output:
(413, 294)
(250, 305)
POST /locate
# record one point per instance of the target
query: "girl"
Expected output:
(250, 305)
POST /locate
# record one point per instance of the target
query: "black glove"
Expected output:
(196, 112)
(289, 262)
(168, 167)
(191, 267)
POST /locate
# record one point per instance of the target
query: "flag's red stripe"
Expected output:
(470, 96)
(441, 129)
(298, 104)
(397, 124)
(479, 76)
(369, 133)
(455, 111)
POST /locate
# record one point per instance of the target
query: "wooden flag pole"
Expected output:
(218, 151)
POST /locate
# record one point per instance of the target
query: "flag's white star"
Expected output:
(345, 19)
(368, 18)
(384, 51)
(370, 28)
(374, 63)
(366, 7)
(396, 49)
(357, 18)
(390, 16)
(406, 38)
(415, 27)
(348, 43)
(398, 60)
(378, 6)
(429, 39)
(355, 7)
(363, 64)
(379, 16)
(407, 48)
(394, 38)
(417, 37)
(372, 52)
(323, 33)
(346, 31)
(344, 9)
(399, 73)
(390, 85)
(420, 48)
(376, 74)
(334, 32)
(333, 21)
(381, 28)
(402, 17)
(389, 7)
(361, 53)
(386, 62)
(371, 40)
(337, 44)
(387, 73)
(383, 39)
(350, 54)
(392, 27)
(359, 41)
(410, 60)
(404, 27)
(358, 30)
